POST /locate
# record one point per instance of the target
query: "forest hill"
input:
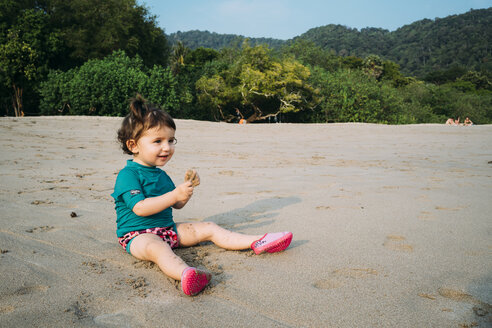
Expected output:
(64, 71)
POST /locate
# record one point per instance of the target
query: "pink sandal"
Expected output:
(194, 280)
(272, 242)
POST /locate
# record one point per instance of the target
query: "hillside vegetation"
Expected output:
(88, 57)
(205, 39)
(419, 48)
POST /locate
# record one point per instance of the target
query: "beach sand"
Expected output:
(392, 226)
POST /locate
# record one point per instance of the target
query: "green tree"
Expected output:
(198, 62)
(373, 66)
(419, 48)
(177, 59)
(354, 96)
(36, 36)
(103, 87)
(308, 53)
(201, 56)
(94, 29)
(17, 67)
(25, 54)
(477, 79)
(257, 86)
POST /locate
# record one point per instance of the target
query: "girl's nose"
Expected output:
(166, 145)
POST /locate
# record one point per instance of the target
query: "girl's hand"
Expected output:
(184, 191)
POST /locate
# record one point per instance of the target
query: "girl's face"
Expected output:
(155, 147)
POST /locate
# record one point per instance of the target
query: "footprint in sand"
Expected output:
(442, 208)
(480, 309)
(31, 289)
(397, 243)
(327, 284)
(96, 267)
(6, 309)
(229, 173)
(340, 277)
(231, 193)
(41, 202)
(428, 296)
(40, 229)
(80, 307)
(459, 296)
(139, 285)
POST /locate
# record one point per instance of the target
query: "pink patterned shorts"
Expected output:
(166, 233)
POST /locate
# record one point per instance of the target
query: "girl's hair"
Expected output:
(141, 118)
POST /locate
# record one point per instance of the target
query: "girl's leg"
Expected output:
(190, 234)
(150, 247)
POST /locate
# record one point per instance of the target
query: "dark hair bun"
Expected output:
(138, 107)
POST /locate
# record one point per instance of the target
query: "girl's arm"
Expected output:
(176, 198)
(180, 205)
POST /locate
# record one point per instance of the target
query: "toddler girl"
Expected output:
(145, 196)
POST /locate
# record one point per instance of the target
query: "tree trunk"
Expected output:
(258, 115)
(17, 101)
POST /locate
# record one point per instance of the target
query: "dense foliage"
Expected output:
(38, 35)
(256, 86)
(86, 57)
(419, 48)
(103, 87)
(197, 39)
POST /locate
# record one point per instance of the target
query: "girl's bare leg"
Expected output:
(150, 247)
(190, 234)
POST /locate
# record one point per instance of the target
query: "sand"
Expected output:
(392, 226)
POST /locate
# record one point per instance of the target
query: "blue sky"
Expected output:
(285, 19)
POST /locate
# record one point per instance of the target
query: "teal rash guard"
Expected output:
(134, 183)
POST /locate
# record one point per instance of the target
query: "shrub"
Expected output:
(103, 87)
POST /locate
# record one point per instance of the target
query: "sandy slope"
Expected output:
(392, 226)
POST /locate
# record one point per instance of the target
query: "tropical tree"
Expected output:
(177, 59)
(354, 96)
(17, 67)
(94, 29)
(103, 87)
(257, 86)
(373, 66)
(25, 53)
(308, 53)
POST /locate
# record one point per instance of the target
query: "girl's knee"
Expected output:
(210, 225)
(196, 232)
(208, 229)
(147, 247)
(187, 229)
(203, 231)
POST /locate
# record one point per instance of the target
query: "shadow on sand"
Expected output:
(257, 214)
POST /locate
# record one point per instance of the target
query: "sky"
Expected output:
(285, 19)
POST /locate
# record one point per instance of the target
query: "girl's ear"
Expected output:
(132, 146)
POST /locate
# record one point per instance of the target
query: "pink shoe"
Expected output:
(272, 242)
(194, 281)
